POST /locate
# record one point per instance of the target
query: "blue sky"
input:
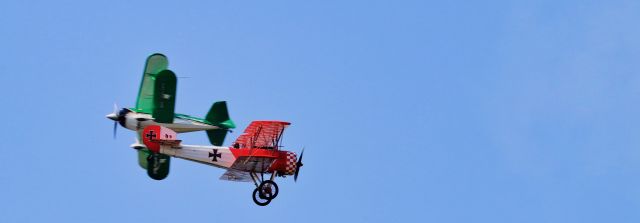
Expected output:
(410, 111)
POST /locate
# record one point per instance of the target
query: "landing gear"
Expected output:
(265, 191)
(258, 200)
(268, 189)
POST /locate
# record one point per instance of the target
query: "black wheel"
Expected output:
(268, 189)
(258, 200)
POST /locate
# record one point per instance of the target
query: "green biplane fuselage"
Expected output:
(136, 121)
(155, 106)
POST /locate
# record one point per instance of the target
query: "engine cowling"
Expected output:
(285, 164)
(154, 136)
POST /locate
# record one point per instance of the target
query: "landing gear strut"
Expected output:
(265, 191)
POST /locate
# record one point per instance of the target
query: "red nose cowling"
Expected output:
(285, 164)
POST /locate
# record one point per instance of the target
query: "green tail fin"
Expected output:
(219, 116)
(216, 136)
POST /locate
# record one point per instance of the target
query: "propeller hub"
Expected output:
(113, 116)
(118, 117)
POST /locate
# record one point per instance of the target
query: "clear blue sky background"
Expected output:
(411, 111)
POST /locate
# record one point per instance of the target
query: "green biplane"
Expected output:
(155, 106)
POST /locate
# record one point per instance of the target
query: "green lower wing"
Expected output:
(158, 166)
(142, 157)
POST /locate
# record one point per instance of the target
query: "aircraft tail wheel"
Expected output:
(268, 190)
(258, 200)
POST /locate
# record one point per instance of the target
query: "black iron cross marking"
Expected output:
(215, 155)
(151, 135)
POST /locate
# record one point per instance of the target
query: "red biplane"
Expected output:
(255, 153)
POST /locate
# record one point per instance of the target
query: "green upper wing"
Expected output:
(154, 65)
(164, 97)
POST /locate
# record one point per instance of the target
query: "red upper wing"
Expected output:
(261, 134)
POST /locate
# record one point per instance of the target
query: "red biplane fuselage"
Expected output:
(256, 151)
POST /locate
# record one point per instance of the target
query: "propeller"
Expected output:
(115, 129)
(116, 117)
(298, 165)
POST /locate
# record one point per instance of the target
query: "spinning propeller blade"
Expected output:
(115, 116)
(298, 165)
(115, 129)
